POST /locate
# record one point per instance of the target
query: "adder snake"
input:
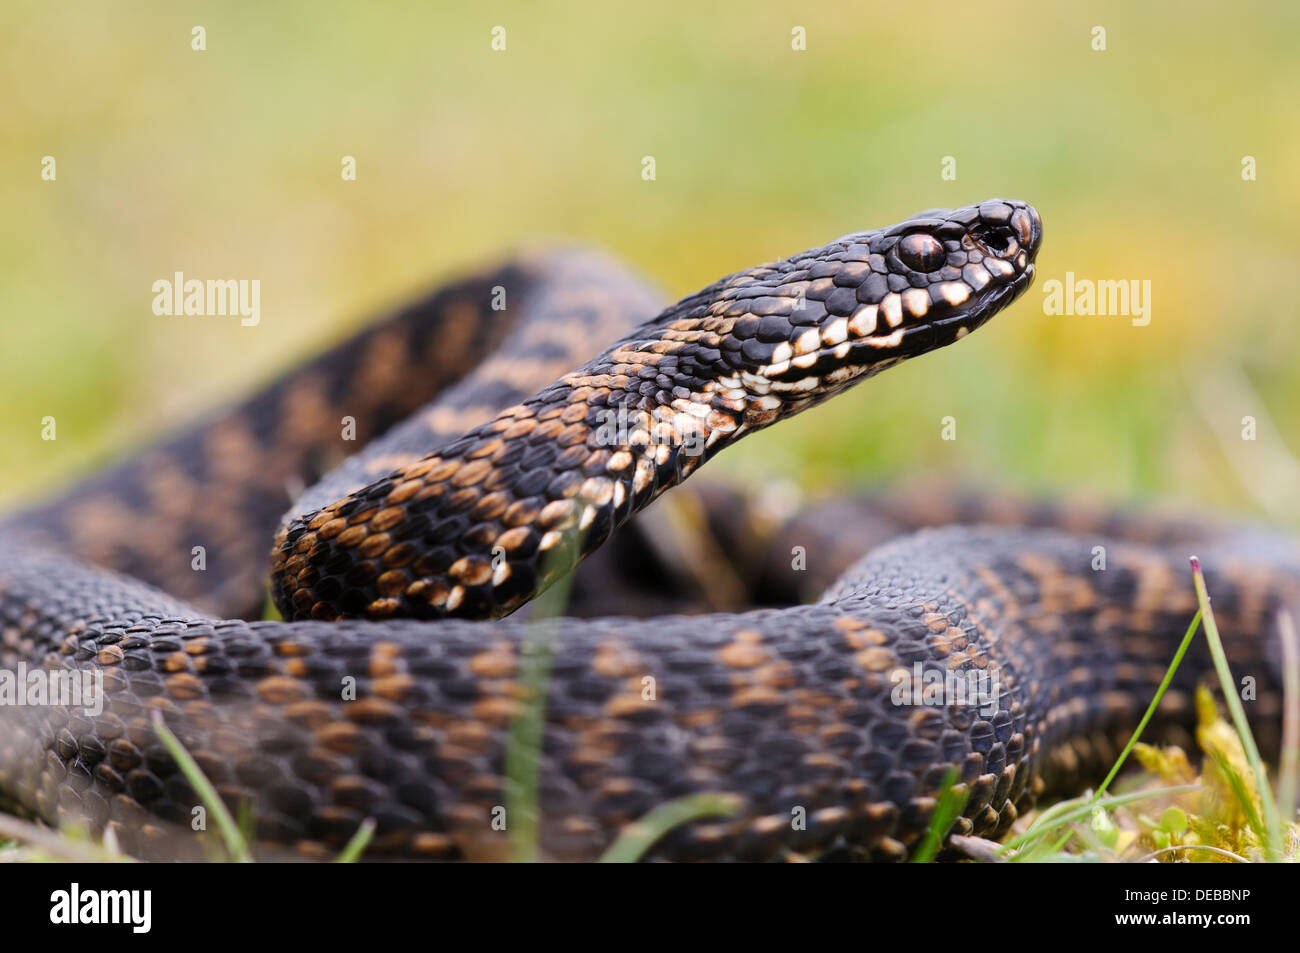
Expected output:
(380, 696)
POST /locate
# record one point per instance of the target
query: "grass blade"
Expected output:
(640, 836)
(1084, 810)
(236, 846)
(1273, 841)
(523, 759)
(952, 801)
(352, 852)
(1151, 709)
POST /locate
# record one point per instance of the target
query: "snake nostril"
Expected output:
(999, 240)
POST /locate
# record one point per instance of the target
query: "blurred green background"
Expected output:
(225, 163)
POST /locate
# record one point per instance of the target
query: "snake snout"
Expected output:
(1007, 229)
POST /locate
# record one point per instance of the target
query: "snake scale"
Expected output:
(491, 468)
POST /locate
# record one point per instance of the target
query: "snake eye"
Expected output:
(921, 251)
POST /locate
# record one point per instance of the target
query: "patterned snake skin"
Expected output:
(361, 705)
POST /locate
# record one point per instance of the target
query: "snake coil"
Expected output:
(381, 696)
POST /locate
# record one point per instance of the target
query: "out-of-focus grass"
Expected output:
(226, 163)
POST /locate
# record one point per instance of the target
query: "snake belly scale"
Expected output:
(393, 572)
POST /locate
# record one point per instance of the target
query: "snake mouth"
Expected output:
(1011, 237)
(950, 328)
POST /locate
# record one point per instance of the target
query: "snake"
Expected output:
(496, 458)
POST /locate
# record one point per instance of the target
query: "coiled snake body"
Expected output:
(380, 697)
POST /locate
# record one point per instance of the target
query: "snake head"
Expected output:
(804, 328)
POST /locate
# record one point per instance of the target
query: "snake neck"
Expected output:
(489, 521)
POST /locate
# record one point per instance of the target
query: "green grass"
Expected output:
(524, 746)
(232, 836)
(952, 799)
(637, 838)
(1151, 708)
(1230, 696)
